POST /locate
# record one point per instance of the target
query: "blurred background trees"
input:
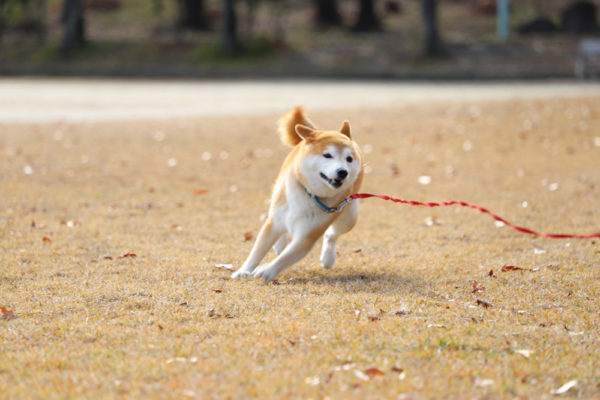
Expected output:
(323, 32)
(327, 14)
(432, 46)
(73, 26)
(192, 15)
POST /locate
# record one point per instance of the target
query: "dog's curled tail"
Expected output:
(286, 126)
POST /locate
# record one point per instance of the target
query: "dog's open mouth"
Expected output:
(336, 183)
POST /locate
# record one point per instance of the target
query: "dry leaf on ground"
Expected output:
(483, 303)
(7, 314)
(565, 388)
(507, 268)
(373, 372)
(477, 287)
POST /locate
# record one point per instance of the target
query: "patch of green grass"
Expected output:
(249, 50)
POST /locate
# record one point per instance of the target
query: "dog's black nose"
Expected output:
(342, 173)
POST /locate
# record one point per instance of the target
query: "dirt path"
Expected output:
(52, 100)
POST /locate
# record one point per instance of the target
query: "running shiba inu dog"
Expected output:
(309, 196)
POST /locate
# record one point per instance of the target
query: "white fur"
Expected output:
(298, 217)
(314, 164)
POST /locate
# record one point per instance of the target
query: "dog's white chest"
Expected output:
(299, 214)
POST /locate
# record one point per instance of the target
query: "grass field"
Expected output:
(110, 232)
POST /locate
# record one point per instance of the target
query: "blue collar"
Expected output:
(324, 207)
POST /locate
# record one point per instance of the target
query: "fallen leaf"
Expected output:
(70, 223)
(397, 369)
(200, 192)
(374, 318)
(483, 303)
(483, 382)
(361, 375)
(431, 221)
(107, 257)
(424, 180)
(46, 239)
(477, 287)
(248, 236)
(218, 290)
(436, 326)
(7, 314)
(226, 266)
(312, 380)
(178, 359)
(491, 273)
(345, 367)
(129, 255)
(565, 388)
(524, 353)
(293, 342)
(507, 268)
(373, 372)
(184, 304)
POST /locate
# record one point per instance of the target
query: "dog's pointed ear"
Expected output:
(304, 131)
(345, 129)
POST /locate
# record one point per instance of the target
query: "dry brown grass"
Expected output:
(168, 324)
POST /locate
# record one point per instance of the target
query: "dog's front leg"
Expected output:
(265, 239)
(294, 252)
(343, 224)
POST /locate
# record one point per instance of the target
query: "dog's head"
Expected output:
(330, 162)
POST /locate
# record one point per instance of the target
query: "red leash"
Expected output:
(483, 210)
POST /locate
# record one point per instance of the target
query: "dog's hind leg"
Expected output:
(344, 223)
(280, 244)
(265, 239)
(293, 252)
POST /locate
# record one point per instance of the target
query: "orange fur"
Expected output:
(286, 125)
(309, 223)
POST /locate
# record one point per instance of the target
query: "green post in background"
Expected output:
(502, 19)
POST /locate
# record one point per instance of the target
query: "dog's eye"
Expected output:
(327, 155)
(349, 159)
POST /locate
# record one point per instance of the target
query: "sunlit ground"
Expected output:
(110, 233)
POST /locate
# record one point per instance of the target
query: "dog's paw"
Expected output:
(241, 273)
(265, 272)
(328, 257)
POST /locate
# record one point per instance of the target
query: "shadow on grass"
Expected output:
(365, 281)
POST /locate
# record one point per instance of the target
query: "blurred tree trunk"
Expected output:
(250, 15)
(367, 20)
(327, 13)
(74, 26)
(229, 44)
(2, 3)
(432, 44)
(192, 15)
